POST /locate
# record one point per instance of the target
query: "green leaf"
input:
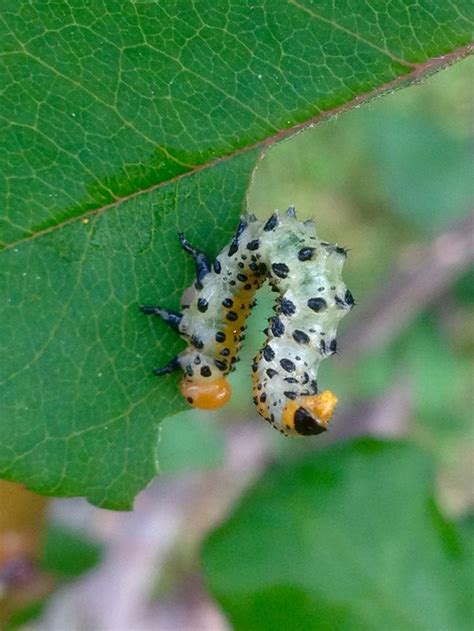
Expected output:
(349, 538)
(81, 406)
(67, 553)
(105, 108)
(406, 170)
(189, 442)
(20, 618)
(103, 100)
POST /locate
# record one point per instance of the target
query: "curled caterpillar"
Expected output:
(306, 273)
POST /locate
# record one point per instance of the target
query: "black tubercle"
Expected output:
(271, 223)
(305, 254)
(240, 228)
(234, 246)
(277, 327)
(300, 337)
(268, 353)
(287, 365)
(349, 298)
(196, 342)
(202, 305)
(280, 269)
(317, 304)
(287, 307)
(253, 245)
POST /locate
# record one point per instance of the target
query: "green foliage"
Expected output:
(67, 554)
(189, 441)
(349, 538)
(104, 108)
(21, 617)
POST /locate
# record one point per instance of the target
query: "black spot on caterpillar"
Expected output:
(306, 273)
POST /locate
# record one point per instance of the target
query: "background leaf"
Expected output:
(104, 109)
(349, 538)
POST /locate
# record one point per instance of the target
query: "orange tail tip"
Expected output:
(309, 414)
(322, 405)
(206, 395)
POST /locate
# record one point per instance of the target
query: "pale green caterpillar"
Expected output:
(306, 273)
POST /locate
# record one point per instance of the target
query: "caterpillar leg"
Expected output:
(173, 318)
(202, 263)
(171, 366)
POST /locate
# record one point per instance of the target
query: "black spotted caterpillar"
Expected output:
(306, 273)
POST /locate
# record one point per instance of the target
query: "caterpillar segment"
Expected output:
(312, 298)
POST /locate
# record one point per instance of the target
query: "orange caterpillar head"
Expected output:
(309, 414)
(206, 395)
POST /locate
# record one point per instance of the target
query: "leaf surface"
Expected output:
(115, 118)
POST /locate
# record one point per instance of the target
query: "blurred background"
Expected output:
(392, 181)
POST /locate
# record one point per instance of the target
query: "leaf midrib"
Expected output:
(417, 72)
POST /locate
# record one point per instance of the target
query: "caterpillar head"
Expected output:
(310, 414)
(207, 394)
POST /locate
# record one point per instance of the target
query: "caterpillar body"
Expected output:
(306, 273)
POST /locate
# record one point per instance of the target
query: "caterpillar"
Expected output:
(312, 298)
